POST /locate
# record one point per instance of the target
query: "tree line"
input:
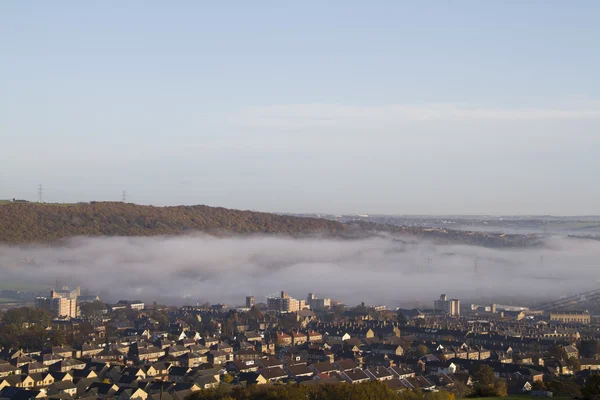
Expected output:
(31, 222)
(362, 391)
(49, 223)
(26, 328)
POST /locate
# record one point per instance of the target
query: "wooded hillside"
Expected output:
(32, 222)
(22, 222)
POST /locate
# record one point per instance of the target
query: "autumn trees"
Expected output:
(24, 328)
(361, 391)
(486, 383)
(30, 222)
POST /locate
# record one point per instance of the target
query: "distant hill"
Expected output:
(32, 222)
(22, 222)
(453, 236)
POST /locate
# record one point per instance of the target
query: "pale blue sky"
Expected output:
(488, 107)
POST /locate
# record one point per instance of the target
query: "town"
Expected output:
(70, 346)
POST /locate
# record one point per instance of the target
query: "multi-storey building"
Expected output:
(136, 305)
(62, 302)
(285, 303)
(578, 317)
(452, 307)
(249, 301)
(317, 304)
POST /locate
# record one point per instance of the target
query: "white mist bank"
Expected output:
(376, 271)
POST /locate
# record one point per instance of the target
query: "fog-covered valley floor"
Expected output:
(383, 270)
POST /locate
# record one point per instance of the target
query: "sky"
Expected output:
(395, 107)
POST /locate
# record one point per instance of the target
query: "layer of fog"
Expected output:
(382, 270)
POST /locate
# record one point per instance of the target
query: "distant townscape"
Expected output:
(74, 346)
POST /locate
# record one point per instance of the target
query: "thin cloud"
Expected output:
(330, 113)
